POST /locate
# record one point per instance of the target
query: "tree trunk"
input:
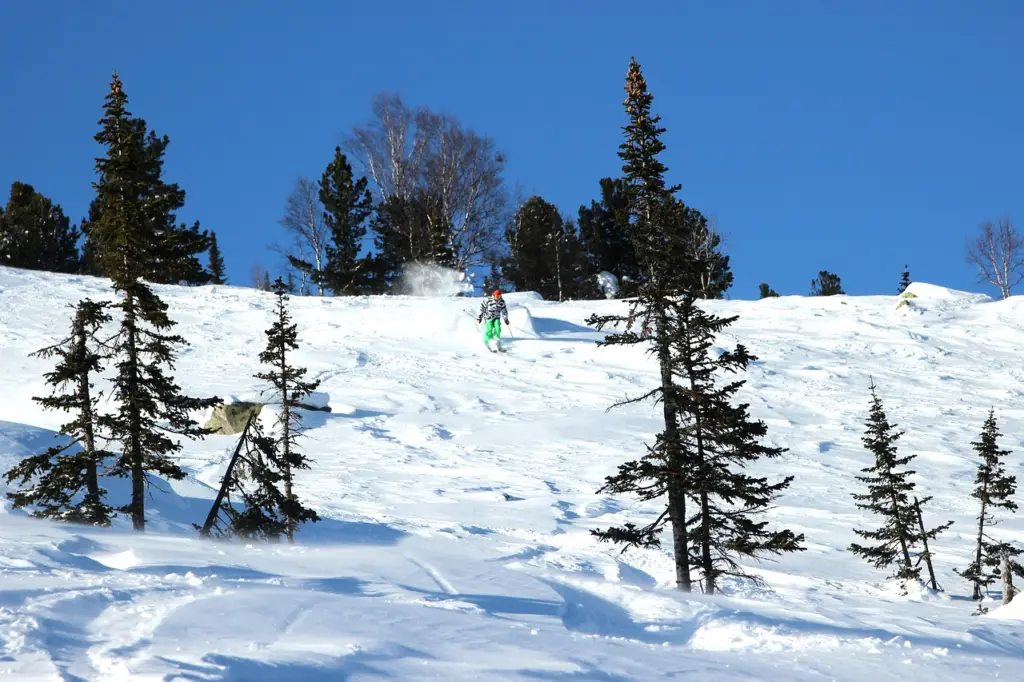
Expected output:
(286, 414)
(680, 543)
(927, 553)
(558, 267)
(226, 481)
(134, 444)
(903, 531)
(92, 483)
(1007, 576)
(977, 557)
(677, 489)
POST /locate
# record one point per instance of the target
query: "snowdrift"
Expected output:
(457, 491)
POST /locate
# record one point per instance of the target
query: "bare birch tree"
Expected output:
(389, 149)
(411, 153)
(998, 254)
(303, 219)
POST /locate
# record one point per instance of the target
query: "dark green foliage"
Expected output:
(697, 462)
(288, 383)
(826, 284)
(904, 281)
(545, 255)
(888, 496)
(347, 206)
(65, 478)
(166, 252)
(604, 235)
(766, 291)
(216, 265)
(35, 234)
(994, 490)
(701, 257)
(407, 231)
(149, 405)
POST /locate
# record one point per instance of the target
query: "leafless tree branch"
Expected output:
(303, 219)
(407, 151)
(998, 254)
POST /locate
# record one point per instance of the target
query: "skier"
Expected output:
(491, 310)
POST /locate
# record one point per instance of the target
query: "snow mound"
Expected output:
(943, 297)
(608, 283)
(1012, 611)
(318, 400)
(522, 296)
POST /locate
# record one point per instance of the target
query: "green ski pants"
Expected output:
(492, 330)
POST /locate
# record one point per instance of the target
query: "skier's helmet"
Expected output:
(497, 293)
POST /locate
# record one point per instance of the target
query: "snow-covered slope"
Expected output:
(458, 491)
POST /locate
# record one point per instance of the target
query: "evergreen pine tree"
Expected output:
(888, 495)
(289, 385)
(36, 235)
(904, 280)
(150, 406)
(545, 254)
(766, 291)
(604, 235)
(216, 262)
(826, 284)
(66, 477)
(711, 271)
(994, 490)
(347, 206)
(172, 256)
(266, 282)
(711, 506)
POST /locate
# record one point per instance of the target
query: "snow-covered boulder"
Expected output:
(230, 416)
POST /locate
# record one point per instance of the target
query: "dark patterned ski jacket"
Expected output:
(492, 309)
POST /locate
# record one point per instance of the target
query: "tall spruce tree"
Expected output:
(889, 496)
(994, 490)
(826, 284)
(347, 206)
(695, 462)
(36, 235)
(172, 256)
(216, 265)
(289, 385)
(904, 280)
(65, 478)
(766, 291)
(150, 406)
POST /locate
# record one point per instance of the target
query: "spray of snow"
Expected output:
(426, 279)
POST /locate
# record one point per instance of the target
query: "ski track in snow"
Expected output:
(458, 494)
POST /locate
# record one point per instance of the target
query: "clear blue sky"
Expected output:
(851, 136)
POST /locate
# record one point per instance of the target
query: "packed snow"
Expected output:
(457, 490)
